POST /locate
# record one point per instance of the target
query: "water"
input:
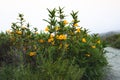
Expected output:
(113, 57)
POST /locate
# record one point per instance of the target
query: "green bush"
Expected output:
(60, 70)
(4, 48)
(65, 51)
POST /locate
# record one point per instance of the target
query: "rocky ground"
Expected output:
(113, 57)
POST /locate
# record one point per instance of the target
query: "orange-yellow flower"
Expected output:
(78, 30)
(19, 32)
(47, 29)
(65, 22)
(93, 46)
(98, 41)
(61, 37)
(75, 25)
(41, 40)
(50, 39)
(83, 40)
(32, 54)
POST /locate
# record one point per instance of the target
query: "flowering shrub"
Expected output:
(65, 51)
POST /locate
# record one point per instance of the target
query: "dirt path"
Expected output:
(113, 57)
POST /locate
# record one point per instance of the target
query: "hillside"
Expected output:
(110, 33)
(112, 38)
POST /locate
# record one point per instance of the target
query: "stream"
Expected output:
(113, 57)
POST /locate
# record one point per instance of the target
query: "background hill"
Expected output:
(112, 38)
(110, 33)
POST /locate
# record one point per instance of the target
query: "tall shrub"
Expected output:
(65, 51)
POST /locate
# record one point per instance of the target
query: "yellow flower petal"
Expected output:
(61, 37)
(19, 32)
(93, 47)
(50, 39)
(75, 25)
(98, 41)
(47, 29)
(65, 22)
(78, 30)
(83, 40)
(41, 40)
(32, 54)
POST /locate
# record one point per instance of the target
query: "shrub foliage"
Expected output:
(65, 51)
